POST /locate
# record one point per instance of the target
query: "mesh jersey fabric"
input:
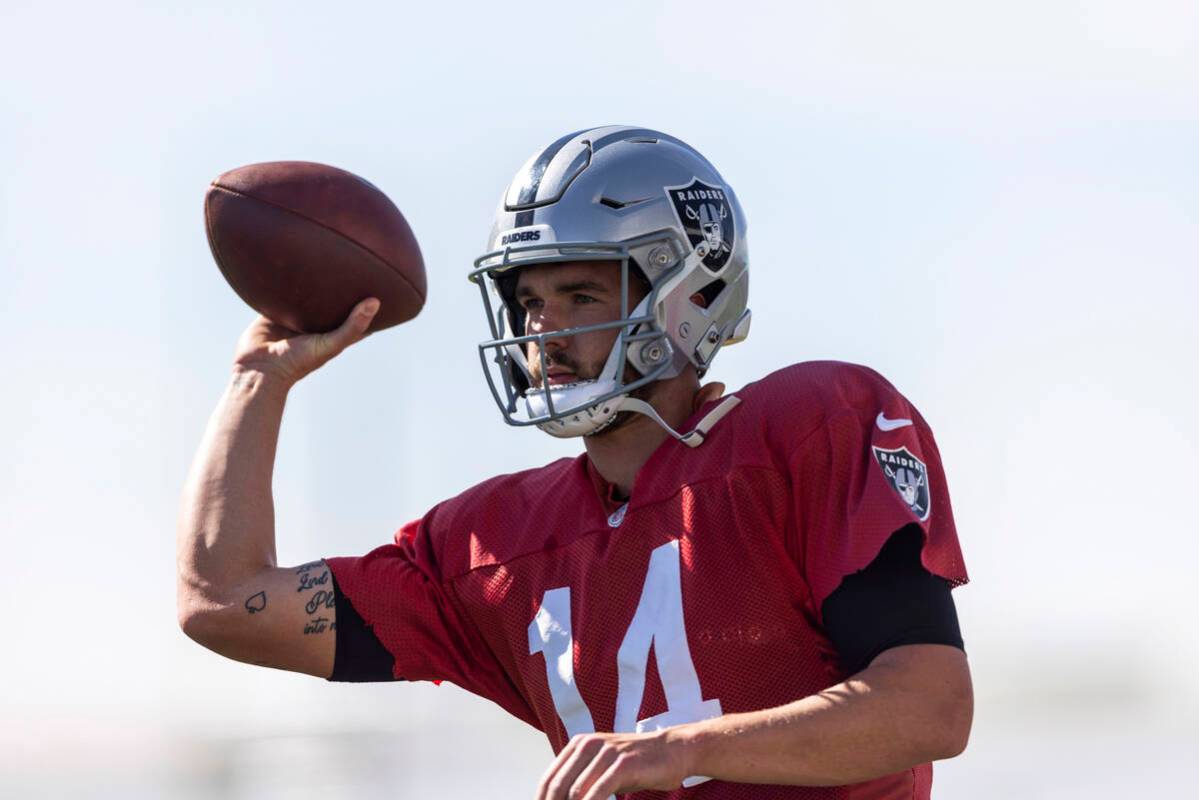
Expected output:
(784, 498)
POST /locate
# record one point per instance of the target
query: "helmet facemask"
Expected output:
(638, 355)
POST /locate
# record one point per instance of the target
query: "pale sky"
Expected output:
(994, 207)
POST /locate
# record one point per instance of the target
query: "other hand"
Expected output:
(594, 766)
(288, 355)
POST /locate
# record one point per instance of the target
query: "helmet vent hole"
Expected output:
(710, 292)
(619, 204)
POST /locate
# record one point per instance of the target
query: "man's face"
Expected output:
(714, 233)
(569, 295)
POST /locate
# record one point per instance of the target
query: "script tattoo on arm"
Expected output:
(319, 625)
(310, 581)
(256, 602)
(312, 575)
(322, 599)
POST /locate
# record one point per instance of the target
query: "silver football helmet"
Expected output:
(657, 206)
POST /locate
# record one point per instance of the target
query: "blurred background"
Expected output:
(995, 205)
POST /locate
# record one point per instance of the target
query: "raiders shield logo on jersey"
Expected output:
(908, 477)
(705, 215)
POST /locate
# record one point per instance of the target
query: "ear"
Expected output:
(706, 394)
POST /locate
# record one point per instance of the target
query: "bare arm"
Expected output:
(231, 595)
(913, 704)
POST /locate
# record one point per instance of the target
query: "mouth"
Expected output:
(561, 377)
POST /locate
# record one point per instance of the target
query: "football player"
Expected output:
(722, 592)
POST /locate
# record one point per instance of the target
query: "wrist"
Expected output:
(253, 381)
(691, 743)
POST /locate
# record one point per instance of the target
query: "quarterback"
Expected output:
(726, 595)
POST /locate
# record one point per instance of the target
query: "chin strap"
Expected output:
(695, 437)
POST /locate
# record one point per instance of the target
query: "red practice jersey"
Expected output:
(702, 596)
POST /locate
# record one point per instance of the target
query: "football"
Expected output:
(301, 243)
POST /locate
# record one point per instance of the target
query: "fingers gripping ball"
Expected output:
(302, 243)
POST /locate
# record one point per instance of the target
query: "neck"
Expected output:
(619, 453)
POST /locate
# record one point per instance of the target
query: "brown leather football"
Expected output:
(301, 243)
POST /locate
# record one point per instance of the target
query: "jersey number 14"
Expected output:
(658, 620)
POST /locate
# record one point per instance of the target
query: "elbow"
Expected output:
(954, 740)
(934, 699)
(956, 717)
(199, 604)
(207, 628)
(191, 620)
(197, 619)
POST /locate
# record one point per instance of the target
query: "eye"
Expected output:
(583, 299)
(531, 303)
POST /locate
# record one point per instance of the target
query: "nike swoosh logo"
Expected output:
(885, 424)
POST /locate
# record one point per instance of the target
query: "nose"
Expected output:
(545, 321)
(548, 320)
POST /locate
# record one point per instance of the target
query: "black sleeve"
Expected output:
(360, 656)
(894, 601)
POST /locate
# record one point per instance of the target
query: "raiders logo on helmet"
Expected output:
(704, 213)
(908, 477)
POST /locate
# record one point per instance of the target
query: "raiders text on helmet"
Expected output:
(655, 205)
